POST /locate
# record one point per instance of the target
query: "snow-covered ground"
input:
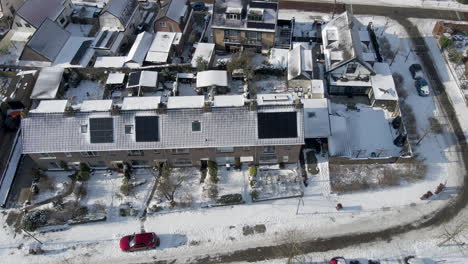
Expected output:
(86, 90)
(219, 230)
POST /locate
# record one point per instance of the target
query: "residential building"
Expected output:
(349, 56)
(174, 16)
(33, 13)
(184, 131)
(9, 7)
(212, 82)
(242, 24)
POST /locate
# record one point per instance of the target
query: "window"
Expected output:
(285, 158)
(54, 165)
(233, 16)
(268, 159)
(46, 156)
(135, 152)
(162, 24)
(62, 21)
(182, 162)
(311, 114)
(139, 163)
(254, 35)
(97, 164)
(351, 68)
(225, 150)
(246, 148)
(255, 17)
(157, 151)
(18, 24)
(231, 33)
(196, 126)
(269, 149)
(84, 128)
(180, 151)
(287, 147)
(88, 154)
(68, 154)
(128, 129)
(27, 25)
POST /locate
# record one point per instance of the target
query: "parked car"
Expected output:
(338, 260)
(139, 242)
(422, 87)
(198, 6)
(416, 71)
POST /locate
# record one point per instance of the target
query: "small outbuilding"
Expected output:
(141, 82)
(208, 81)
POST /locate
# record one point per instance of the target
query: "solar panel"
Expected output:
(277, 125)
(146, 128)
(260, 25)
(134, 78)
(101, 130)
(263, 5)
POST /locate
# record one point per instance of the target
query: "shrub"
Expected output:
(82, 176)
(80, 212)
(84, 167)
(230, 199)
(58, 204)
(254, 195)
(237, 164)
(212, 191)
(213, 171)
(281, 165)
(445, 42)
(455, 56)
(203, 175)
(80, 191)
(34, 220)
(253, 171)
(253, 182)
(126, 189)
(64, 165)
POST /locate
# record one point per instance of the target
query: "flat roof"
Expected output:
(96, 106)
(204, 50)
(110, 62)
(212, 78)
(115, 78)
(383, 85)
(48, 83)
(141, 103)
(51, 106)
(316, 118)
(228, 100)
(274, 99)
(176, 102)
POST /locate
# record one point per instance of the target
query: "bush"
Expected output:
(82, 176)
(63, 165)
(212, 191)
(58, 204)
(454, 56)
(254, 195)
(34, 220)
(80, 191)
(230, 199)
(237, 163)
(213, 171)
(445, 42)
(126, 189)
(253, 171)
(281, 165)
(84, 167)
(253, 182)
(80, 212)
(203, 175)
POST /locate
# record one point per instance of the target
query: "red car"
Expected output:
(139, 242)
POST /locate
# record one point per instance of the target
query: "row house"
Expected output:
(184, 131)
(30, 16)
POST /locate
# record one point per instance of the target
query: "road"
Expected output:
(447, 213)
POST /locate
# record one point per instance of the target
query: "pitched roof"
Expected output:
(122, 9)
(35, 12)
(341, 42)
(299, 62)
(48, 83)
(49, 40)
(140, 48)
(222, 127)
(173, 10)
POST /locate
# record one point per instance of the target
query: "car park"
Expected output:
(139, 242)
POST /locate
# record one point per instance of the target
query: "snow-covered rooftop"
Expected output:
(180, 102)
(48, 83)
(75, 53)
(49, 40)
(141, 103)
(274, 99)
(299, 62)
(316, 118)
(51, 106)
(161, 46)
(279, 58)
(145, 78)
(139, 48)
(110, 62)
(204, 50)
(228, 100)
(383, 85)
(212, 78)
(96, 106)
(115, 78)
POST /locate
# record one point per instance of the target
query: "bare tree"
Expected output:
(457, 234)
(169, 183)
(292, 246)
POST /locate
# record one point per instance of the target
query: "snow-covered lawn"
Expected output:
(232, 181)
(86, 90)
(52, 184)
(275, 183)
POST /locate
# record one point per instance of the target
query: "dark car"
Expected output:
(422, 87)
(199, 6)
(416, 71)
(139, 241)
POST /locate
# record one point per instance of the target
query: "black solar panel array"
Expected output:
(268, 5)
(81, 52)
(101, 130)
(146, 128)
(277, 125)
(260, 25)
(134, 78)
(101, 39)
